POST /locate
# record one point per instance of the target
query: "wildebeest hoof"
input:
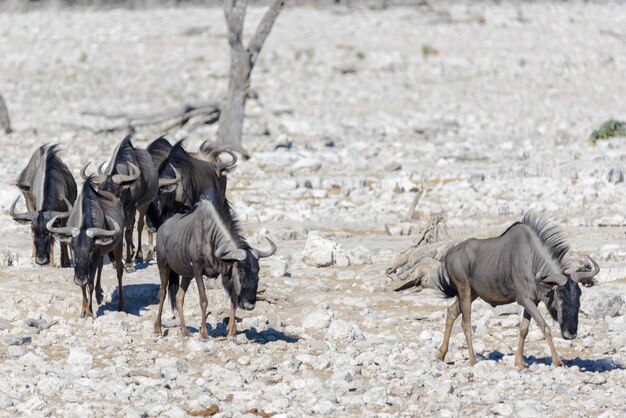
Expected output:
(157, 330)
(99, 296)
(557, 362)
(185, 332)
(120, 307)
(232, 339)
(521, 366)
(441, 357)
(129, 267)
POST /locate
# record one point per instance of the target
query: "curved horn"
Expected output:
(586, 277)
(220, 166)
(20, 217)
(83, 171)
(99, 232)
(64, 230)
(272, 251)
(100, 171)
(165, 182)
(123, 178)
(68, 204)
(225, 254)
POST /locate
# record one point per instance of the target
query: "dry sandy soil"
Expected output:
(489, 106)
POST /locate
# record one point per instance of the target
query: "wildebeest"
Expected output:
(48, 187)
(93, 230)
(125, 166)
(207, 241)
(158, 149)
(183, 178)
(526, 264)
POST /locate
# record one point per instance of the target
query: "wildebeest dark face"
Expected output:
(42, 238)
(248, 275)
(84, 253)
(564, 304)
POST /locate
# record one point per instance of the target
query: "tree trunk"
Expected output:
(5, 122)
(242, 62)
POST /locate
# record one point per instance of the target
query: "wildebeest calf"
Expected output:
(526, 264)
(206, 241)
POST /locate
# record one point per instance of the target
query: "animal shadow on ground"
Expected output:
(136, 298)
(589, 365)
(266, 336)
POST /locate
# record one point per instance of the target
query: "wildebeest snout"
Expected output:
(42, 261)
(569, 335)
(247, 306)
(81, 281)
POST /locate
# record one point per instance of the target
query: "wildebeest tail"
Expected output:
(445, 285)
(172, 288)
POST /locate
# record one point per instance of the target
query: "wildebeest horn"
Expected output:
(225, 254)
(100, 171)
(166, 182)
(557, 279)
(83, 171)
(68, 204)
(586, 277)
(67, 231)
(220, 166)
(20, 217)
(123, 178)
(272, 251)
(99, 232)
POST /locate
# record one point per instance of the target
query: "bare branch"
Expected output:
(235, 14)
(264, 28)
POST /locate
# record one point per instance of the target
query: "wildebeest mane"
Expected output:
(551, 236)
(159, 149)
(55, 175)
(94, 205)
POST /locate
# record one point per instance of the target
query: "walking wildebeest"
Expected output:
(49, 188)
(207, 241)
(526, 264)
(93, 230)
(129, 164)
(158, 149)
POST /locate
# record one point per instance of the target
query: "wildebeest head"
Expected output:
(563, 297)
(41, 236)
(242, 279)
(85, 242)
(113, 183)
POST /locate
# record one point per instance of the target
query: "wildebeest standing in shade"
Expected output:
(125, 166)
(182, 180)
(205, 241)
(527, 265)
(48, 188)
(93, 230)
(158, 149)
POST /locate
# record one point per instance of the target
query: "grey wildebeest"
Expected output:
(207, 241)
(158, 149)
(133, 166)
(93, 229)
(526, 264)
(49, 188)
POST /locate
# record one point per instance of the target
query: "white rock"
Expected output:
(318, 319)
(16, 351)
(79, 356)
(598, 303)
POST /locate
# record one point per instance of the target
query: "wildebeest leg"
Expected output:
(543, 326)
(99, 292)
(465, 298)
(180, 299)
(232, 331)
(453, 314)
(523, 332)
(164, 272)
(51, 260)
(128, 235)
(117, 253)
(83, 311)
(65, 257)
(203, 303)
(140, 223)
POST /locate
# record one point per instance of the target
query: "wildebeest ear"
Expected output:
(556, 279)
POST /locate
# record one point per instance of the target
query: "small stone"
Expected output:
(4, 324)
(17, 340)
(318, 319)
(16, 351)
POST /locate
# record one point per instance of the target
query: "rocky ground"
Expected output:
(488, 107)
